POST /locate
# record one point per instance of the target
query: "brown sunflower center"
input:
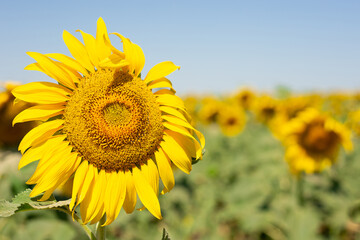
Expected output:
(113, 121)
(318, 140)
(231, 121)
(268, 112)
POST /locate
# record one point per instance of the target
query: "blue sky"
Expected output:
(220, 45)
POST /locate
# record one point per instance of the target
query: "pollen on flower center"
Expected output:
(117, 114)
(113, 120)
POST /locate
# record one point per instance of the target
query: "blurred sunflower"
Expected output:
(11, 136)
(231, 120)
(245, 98)
(105, 127)
(265, 109)
(209, 110)
(313, 140)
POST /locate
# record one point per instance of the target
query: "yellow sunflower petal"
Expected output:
(56, 174)
(185, 124)
(161, 83)
(140, 59)
(68, 61)
(179, 129)
(173, 112)
(74, 75)
(47, 194)
(52, 69)
(100, 214)
(160, 70)
(34, 67)
(78, 181)
(87, 182)
(50, 158)
(42, 93)
(186, 143)
(118, 191)
(177, 121)
(36, 153)
(113, 61)
(102, 49)
(130, 197)
(111, 191)
(113, 49)
(176, 154)
(78, 51)
(95, 203)
(84, 206)
(151, 173)
(39, 112)
(133, 54)
(122, 191)
(146, 193)
(170, 100)
(111, 180)
(40, 133)
(90, 45)
(165, 170)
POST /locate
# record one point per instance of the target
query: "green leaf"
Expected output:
(7, 208)
(22, 202)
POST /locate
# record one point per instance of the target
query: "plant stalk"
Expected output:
(100, 230)
(300, 190)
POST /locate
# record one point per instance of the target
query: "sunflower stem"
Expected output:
(300, 190)
(87, 230)
(100, 230)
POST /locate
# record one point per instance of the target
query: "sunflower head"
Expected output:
(245, 98)
(105, 127)
(266, 109)
(313, 140)
(231, 120)
(209, 110)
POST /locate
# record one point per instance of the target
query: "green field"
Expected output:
(242, 189)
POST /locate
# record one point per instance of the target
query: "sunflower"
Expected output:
(231, 120)
(245, 98)
(313, 140)
(265, 109)
(268, 112)
(105, 126)
(209, 110)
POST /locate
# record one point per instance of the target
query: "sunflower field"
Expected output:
(278, 165)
